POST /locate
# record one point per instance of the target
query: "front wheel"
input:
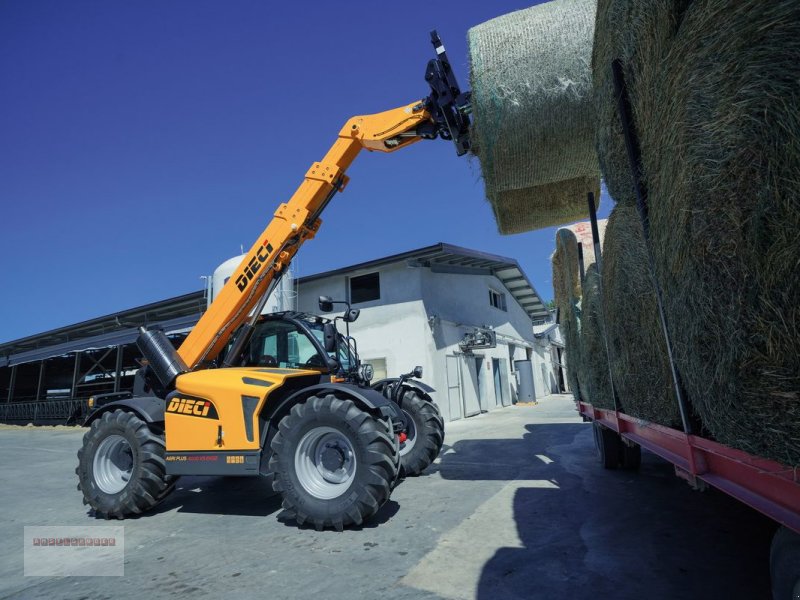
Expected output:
(424, 435)
(333, 463)
(121, 467)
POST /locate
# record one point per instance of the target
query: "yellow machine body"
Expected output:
(217, 410)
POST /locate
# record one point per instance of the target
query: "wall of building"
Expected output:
(420, 319)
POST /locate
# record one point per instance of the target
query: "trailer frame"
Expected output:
(765, 485)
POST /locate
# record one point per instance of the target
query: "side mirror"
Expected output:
(351, 315)
(325, 304)
(329, 333)
(418, 372)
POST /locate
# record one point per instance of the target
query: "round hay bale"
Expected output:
(594, 358)
(547, 205)
(533, 117)
(565, 287)
(638, 33)
(722, 159)
(638, 351)
(566, 281)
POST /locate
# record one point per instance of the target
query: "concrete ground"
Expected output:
(516, 507)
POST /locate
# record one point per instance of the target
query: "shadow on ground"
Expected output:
(586, 532)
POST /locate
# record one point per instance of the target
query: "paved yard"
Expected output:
(516, 507)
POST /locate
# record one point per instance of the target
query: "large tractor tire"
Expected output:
(121, 467)
(425, 433)
(334, 464)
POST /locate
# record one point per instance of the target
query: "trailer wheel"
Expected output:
(631, 456)
(425, 433)
(609, 446)
(784, 565)
(121, 466)
(334, 464)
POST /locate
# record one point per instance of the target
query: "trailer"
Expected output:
(765, 485)
(769, 487)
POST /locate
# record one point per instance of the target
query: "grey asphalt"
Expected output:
(515, 507)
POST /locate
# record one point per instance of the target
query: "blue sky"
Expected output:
(142, 143)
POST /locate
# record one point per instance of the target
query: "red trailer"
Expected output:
(765, 485)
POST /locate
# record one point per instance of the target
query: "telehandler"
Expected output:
(330, 442)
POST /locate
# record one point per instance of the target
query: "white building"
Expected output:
(417, 308)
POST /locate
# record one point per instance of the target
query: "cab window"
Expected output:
(284, 345)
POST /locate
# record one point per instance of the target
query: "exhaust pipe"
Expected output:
(162, 358)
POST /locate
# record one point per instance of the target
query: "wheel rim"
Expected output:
(113, 464)
(325, 463)
(411, 435)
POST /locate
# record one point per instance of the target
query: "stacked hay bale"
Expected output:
(636, 344)
(594, 363)
(580, 310)
(566, 289)
(715, 86)
(533, 115)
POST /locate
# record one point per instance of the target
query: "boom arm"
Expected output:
(295, 222)
(443, 113)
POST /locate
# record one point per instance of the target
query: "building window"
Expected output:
(497, 299)
(365, 288)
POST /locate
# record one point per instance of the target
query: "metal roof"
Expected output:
(174, 314)
(446, 258)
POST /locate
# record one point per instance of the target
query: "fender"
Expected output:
(149, 408)
(366, 398)
(420, 385)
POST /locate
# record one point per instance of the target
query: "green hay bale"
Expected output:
(548, 205)
(725, 217)
(594, 358)
(639, 33)
(566, 281)
(638, 351)
(565, 287)
(533, 117)
(714, 89)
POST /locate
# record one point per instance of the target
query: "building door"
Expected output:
(505, 397)
(469, 387)
(482, 404)
(498, 389)
(454, 402)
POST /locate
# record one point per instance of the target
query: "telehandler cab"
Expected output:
(230, 401)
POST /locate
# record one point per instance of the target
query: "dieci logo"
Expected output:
(193, 408)
(253, 266)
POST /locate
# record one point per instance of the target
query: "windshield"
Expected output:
(317, 329)
(284, 344)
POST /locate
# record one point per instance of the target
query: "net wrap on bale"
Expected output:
(534, 121)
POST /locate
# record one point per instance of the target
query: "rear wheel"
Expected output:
(784, 565)
(609, 446)
(424, 435)
(121, 467)
(334, 464)
(631, 456)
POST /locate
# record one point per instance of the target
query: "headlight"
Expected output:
(367, 372)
